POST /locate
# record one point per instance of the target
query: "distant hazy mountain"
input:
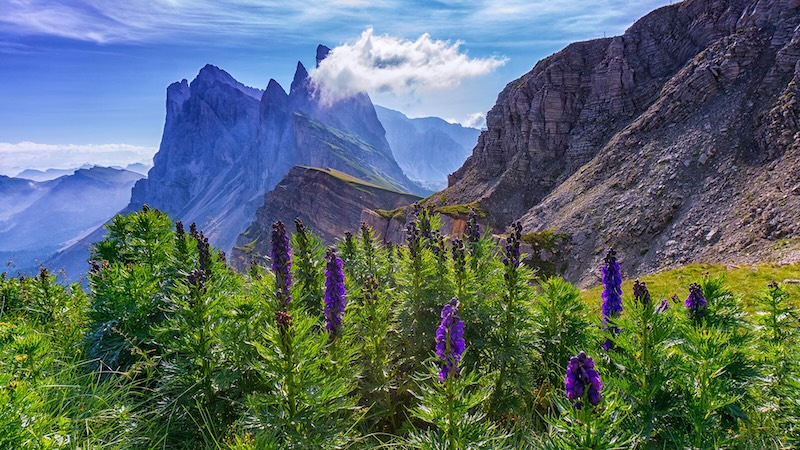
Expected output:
(226, 144)
(428, 148)
(39, 218)
(138, 168)
(49, 174)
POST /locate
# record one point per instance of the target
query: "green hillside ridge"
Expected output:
(349, 179)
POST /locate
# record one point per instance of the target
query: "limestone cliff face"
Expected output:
(327, 201)
(675, 142)
(226, 144)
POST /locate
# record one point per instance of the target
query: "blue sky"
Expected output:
(79, 79)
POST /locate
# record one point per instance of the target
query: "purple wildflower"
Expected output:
(180, 232)
(582, 379)
(281, 262)
(612, 293)
(473, 229)
(663, 306)
(413, 239)
(334, 293)
(450, 340)
(511, 252)
(459, 257)
(695, 302)
(640, 293)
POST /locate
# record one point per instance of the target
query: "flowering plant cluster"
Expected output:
(268, 358)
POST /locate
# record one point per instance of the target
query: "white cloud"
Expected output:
(475, 120)
(30, 155)
(383, 63)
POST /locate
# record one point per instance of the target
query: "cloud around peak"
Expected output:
(383, 63)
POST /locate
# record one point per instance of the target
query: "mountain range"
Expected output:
(37, 219)
(225, 145)
(676, 142)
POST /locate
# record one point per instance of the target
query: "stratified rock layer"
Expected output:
(675, 142)
(327, 201)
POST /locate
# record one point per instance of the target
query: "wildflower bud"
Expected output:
(511, 251)
(197, 279)
(695, 302)
(640, 293)
(283, 320)
(473, 229)
(370, 289)
(281, 262)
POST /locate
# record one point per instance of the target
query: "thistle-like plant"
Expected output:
(645, 367)
(307, 403)
(560, 325)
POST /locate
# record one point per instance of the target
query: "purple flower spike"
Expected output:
(582, 378)
(511, 251)
(450, 340)
(612, 293)
(335, 299)
(281, 262)
(696, 302)
(612, 286)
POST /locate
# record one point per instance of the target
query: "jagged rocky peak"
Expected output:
(211, 75)
(653, 141)
(274, 100)
(322, 53)
(300, 82)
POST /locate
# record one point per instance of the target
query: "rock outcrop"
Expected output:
(327, 201)
(675, 142)
(226, 144)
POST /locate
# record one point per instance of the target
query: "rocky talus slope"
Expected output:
(327, 201)
(676, 142)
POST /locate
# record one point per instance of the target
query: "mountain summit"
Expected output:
(678, 141)
(226, 144)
